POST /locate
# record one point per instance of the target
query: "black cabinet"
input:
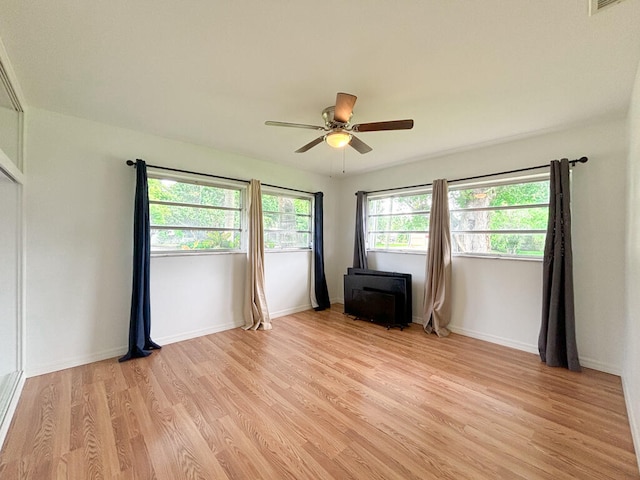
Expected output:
(381, 297)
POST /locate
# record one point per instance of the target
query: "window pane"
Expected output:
(517, 219)
(412, 203)
(282, 240)
(183, 192)
(522, 244)
(399, 241)
(500, 195)
(379, 205)
(172, 215)
(391, 221)
(303, 223)
(287, 221)
(194, 240)
(419, 222)
(302, 206)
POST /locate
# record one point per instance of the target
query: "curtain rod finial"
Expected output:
(130, 163)
(583, 159)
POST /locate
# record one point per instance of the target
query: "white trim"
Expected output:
(14, 394)
(290, 311)
(191, 253)
(159, 173)
(502, 180)
(11, 76)
(600, 366)
(526, 347)
(506, 342)
(180, 337)
(10, 169)
(166, 340)
(75, 361)
(633, 421)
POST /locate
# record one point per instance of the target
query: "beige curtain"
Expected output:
(256, 312)
(437, 289)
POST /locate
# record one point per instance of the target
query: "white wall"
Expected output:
(500, 300)
(631, 364)
(79, 213)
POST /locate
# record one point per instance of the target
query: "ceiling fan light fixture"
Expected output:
(338, 139)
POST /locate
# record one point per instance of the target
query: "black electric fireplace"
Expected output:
(380, 297)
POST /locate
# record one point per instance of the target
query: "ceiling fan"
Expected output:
(339, 130)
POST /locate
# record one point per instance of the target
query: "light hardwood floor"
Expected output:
(322, 396)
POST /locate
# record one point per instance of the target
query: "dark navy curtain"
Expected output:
(359, 248)
(557, 340)
(319, 292)
(140, 343)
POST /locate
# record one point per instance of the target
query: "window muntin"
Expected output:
(287, 221)
(193, 216)
(399, 222)
(501, 219)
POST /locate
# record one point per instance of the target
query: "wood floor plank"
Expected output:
(322, 396)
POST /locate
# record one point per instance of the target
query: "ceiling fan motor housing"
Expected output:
(328, 114)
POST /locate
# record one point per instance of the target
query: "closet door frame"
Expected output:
(13, 169)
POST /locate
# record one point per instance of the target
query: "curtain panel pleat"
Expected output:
(359, 247)
(557, 341)
(256, 312)
(437, 290)
(140, 343)
(319, 292)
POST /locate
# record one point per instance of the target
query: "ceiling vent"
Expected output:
(596, 6)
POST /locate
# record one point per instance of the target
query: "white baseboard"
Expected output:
(14, 392)
(526, 347)
(289, 311)
(600, 366)
(507, 342)
(633, 419)
(76, 361)
(196, 333)
(119, 351)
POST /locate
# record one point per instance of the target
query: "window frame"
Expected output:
(392, 195)
(195, 179)
(534, 178)
(278, 192)
(456, 187)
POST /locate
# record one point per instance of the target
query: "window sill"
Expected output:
(463, 255)
(286, 250)
(404, 252)
(189, 253)
(499, 257)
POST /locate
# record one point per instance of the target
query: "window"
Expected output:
(193, 216)
(287, 221)
(398, 222)
(497, 219)
(508, 219)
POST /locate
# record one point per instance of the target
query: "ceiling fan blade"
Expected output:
(344, 107)
(296, 125)
(377, 126)
(310, 145)
(359, 145)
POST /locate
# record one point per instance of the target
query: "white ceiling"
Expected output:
(468, 72)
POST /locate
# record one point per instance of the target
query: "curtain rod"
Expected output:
(131, 163)
(572, 162)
